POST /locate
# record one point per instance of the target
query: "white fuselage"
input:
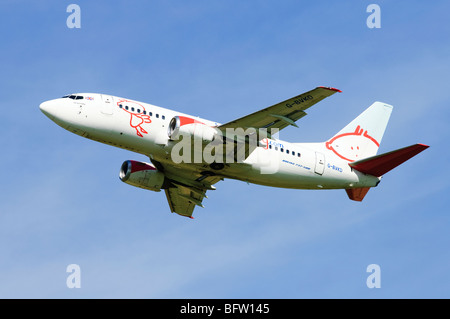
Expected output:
(142, 128)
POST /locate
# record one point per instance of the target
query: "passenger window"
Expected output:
(151, 114)
(126, 107)
(281, 150)
(270, 146)
(139, 110)
(287, 151)
(120, 105)
(298, 154)
(163, 117)
(132, 109)
(293, 153)
(145, 112)
(157, 116)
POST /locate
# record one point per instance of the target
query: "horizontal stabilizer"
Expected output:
(357, 194)
(381, 164)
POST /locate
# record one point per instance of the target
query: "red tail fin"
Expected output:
(381, 164)
(357, 194)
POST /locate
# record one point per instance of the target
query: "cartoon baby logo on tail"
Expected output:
(353, 146)
(138, 115)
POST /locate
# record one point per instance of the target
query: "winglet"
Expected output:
(381, 164)
(330, 88)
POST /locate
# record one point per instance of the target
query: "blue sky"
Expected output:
(62, 201)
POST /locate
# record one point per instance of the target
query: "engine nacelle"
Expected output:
(189, 127)
(143, 175)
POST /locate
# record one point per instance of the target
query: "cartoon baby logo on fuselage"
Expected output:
(352, 146)
(138, 115)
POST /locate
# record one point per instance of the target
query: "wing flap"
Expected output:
(182, 199)
(186, 189)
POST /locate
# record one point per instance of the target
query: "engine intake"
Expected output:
(143, 175)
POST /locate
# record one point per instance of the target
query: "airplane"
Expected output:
(177, 143)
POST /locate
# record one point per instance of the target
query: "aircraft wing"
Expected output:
(183, 199)
(186, 189)
(282, 114)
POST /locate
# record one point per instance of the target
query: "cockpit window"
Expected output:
(73, 97)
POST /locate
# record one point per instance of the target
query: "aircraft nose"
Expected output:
(48, 108)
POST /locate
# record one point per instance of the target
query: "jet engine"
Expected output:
(143, 175)
(189, 127)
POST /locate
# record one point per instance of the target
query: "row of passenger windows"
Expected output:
(287, 151)
(132, 109)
